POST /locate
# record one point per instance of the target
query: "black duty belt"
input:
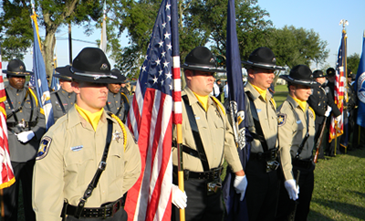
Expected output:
(212, 174)
(105, 211)
(265, 156)
(305, 164)
(26, 124)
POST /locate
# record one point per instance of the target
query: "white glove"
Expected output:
(240, 185)
(25, 136)
(179, 198)
(292, 188)
(328, 111)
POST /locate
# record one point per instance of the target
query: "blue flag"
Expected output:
(55, 83)
(236, 209)
(40, 79)
(360, 87)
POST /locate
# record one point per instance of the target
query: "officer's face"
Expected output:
(301, 92)
(17, 82)
(261, 78)
(90, 96)
(114, 88)
(200, 82)
(66, 85)
(320, 80)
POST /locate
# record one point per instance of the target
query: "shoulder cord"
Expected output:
(97, 175)
(13, 111)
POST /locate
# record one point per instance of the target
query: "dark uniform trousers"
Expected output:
(200, 205)
(287, 206)
(23, 172)
(263, 195)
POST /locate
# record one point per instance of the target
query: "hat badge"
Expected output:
(212, 60)
(104, 67)
(21, 67)
(274, 59)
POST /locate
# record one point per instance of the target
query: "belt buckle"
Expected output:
(21, 124)
(116, 207)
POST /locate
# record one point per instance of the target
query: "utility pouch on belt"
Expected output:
(213, 187)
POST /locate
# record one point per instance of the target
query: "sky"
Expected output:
(323, 16)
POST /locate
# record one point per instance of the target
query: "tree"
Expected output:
(16, 30)
(353, 62)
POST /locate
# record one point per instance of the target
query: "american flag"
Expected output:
(236, 209)
(156, 105)
(7, 174)
(336, 128)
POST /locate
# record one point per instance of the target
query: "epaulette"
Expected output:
(219, 104)
(123, 129)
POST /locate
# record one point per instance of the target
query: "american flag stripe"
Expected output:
(7, 173)
(150, 119)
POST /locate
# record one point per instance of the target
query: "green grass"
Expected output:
(281, 92)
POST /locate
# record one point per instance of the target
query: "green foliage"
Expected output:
(353, 62)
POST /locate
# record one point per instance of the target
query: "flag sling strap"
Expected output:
(195, 131)
(13, 112)
(97, 175)
(60, 102)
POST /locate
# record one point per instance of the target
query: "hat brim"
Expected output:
(261, 65)
(19, 74)
(60, 76)
(95, 77)
(300, 82)
(203, 68)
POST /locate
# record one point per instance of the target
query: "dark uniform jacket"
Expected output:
(331, 99)
(29, 117)
(118, 104)
(318, 101)
(62, 101)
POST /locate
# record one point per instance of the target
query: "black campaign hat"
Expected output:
(331, 72)
(121, 78)
(264, 58)
(300, 74)
(318, 74)
(63, 73)
(17, 68)
(201, 59)
(91, 65)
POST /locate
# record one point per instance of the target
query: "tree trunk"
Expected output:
(48, 48)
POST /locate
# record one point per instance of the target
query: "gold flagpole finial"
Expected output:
(344, 22)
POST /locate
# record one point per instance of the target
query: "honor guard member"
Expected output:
(208, 141)
(321, 103)
(330, 90)
(88, 159)
(64, 98)
(26, 126)
(261, 168)
(296, 131)
(117, 102)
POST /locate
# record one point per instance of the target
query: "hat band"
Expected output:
(301, 81)
(96, 76)
(201, 67)
(265, 65)
(18, 72)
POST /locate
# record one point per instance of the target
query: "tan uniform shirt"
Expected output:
(292, 129)
(71, 160)
(216, 135)
(266, 112)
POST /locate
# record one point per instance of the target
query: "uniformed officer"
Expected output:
(26, 126)
(350, 108)
(88, 159)
(64, 98)
(118, 102)
(207, 141)
(296, 130)
(261, 169)
(321, 101)
(330, 89)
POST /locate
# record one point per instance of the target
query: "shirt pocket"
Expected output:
(115, 161)
(80, 165)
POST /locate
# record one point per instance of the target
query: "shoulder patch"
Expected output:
(43, 148)
(281, 119)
